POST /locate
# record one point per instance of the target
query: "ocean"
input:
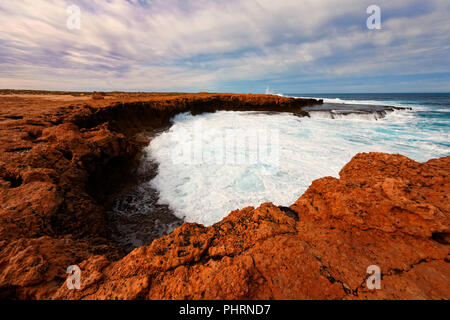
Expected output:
(305, 149)
(420, 133)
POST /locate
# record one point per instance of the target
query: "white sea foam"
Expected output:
(309, 148)
(335, 114)
(367, 102)
(353, 102)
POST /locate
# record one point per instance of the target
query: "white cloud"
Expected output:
(199, 45)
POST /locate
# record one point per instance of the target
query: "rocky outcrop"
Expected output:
(98, 95)
(384, 210)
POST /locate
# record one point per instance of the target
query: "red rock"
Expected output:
(345, 225)
(384, 210)
(98, 95)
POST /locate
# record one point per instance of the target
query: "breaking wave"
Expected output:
(309, 148)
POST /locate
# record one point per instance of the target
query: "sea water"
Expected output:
(307, 148)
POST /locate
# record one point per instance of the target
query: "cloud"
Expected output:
(221, 45)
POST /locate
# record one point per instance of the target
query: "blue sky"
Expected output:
(290, 46)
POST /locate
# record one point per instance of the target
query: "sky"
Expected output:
(288, 46)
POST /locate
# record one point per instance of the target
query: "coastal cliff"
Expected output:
(61, 156)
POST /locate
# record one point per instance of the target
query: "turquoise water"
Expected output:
(421, 133)
(307, 148)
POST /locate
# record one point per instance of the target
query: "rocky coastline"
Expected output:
(64, 156)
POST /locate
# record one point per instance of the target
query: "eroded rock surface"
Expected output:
(384, 210)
